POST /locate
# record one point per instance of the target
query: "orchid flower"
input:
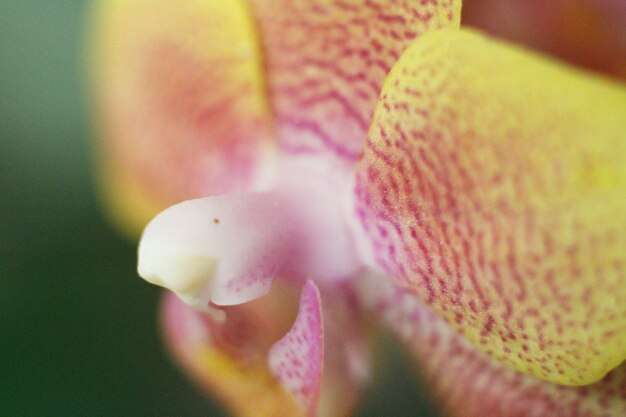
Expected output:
(334, 163)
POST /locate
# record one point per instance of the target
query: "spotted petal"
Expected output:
(181, 98)
(467, 383)
(492, 186)
(225, 353)
(297, 359)
(247, 357)
(327, 60)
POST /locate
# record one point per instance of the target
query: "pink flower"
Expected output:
(343, 162)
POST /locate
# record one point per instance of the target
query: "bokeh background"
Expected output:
(78, 329)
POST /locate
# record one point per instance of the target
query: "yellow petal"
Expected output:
(493, 186)
(180, 99)
(468, 383)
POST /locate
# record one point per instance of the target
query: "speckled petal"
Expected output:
(327, 60)
(297, 359)
(588, 33)
(242, 354)
(226, 355)
(179, 93)
(493, 186)
(467, 383)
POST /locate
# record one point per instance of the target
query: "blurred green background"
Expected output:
(78, 329)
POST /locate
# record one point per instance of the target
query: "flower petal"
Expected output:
(588, 33)
(492, 186)
(468, 383)
(297, 359)
(242, 358)
(227, 358)
(327, 60)
(180, 95)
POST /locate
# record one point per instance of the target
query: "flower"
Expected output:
(344, 161)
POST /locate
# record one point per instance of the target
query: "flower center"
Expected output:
(226, 249)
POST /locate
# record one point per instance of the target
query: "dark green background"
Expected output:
(78, 333)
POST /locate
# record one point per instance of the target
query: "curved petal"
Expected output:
(588, 33)
(297, 359)
(492, 186)
(326, 62)
(226, 356)
(180, 96)
(468, 383)
(244, 355)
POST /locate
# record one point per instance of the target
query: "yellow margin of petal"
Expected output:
(123, 200)
(247, 392)
(566, 166)
(128, 201)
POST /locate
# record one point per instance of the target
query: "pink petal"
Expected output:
(297, 359)
(327, 61)
(226, 356)
(226, 351)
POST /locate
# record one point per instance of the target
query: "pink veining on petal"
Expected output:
(297, 359)
(468, 383)
(327, 60)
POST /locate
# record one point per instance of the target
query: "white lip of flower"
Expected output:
(225, 250)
